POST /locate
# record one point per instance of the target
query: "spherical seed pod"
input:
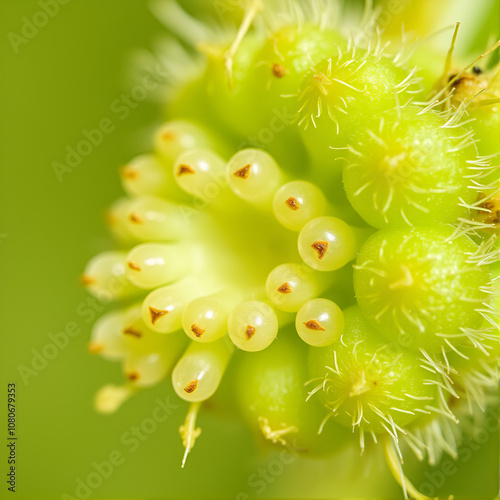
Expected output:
(422, 287)
(320, 322)
(270, 69)
(201, 173)
(117, 220)
(151, 362)
(147, 369)
(106, 337)
(156, 219)
(289, 286)
(145, 175)
(153, 264)
(298, 202)
(369, 384)
(287, 55)
(328, 243)
(175, 137)
(205, 319)
(253, 175)
(105, 276)
(252, 326)
(351, 83)
(408, 168)
(348, 88)
(162, 309)
(269, 388)
(139, 338)
(199, 371)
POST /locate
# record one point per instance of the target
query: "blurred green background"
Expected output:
(59, 81)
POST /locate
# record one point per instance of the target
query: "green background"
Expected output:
(61, 82)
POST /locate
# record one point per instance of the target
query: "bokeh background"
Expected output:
(59, 82)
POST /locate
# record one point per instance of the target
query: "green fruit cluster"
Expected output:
(304, 182)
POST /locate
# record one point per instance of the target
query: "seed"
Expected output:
(184, 169)
(313, 324)
(197, 329)
(191, 387)
(156, 314)
(249, 332)
(244, 172)
(321, 247)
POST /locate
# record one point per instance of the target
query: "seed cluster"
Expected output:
(368, 226)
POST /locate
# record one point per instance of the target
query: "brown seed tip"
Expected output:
(244, 172)
(292, 203)
(197, 329)
(135, 219)
(285, 288)
(87, 280)
(132, 376)
(249, 332)
(184, 169)
(129, 173)
(134, 266)
(321, 247)
(133, 332)
(168, 135)
(191, 387)
(279, 71)
(95, 347)
(156, 314)
(313, 324)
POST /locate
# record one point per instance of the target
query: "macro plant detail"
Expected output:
(344, 274)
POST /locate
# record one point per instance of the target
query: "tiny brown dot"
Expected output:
(87, 280)
(184, 169)
(129, 173)
(314, 324)
(156, 314)
(135, 219)
(95, 348)
(133, 376)
(285, 288)
(321, 247)
(168, 136)
(244, 172)
(279, 71)
(197, 329)
(292, 203)
(133, 332)
(191, 387)
(249, 332)
(134, 266)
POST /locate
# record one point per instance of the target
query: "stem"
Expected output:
(397, 471)
(248, 18)
(189, 432)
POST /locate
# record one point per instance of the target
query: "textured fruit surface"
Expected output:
(418, 288)
(368, 383)
(407, 168)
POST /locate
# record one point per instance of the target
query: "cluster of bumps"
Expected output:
(312, 183)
